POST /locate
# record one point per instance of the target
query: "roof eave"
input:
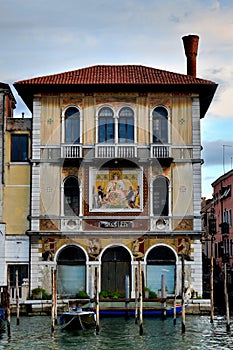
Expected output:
(205, 91)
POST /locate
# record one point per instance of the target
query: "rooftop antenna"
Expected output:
(223, 156)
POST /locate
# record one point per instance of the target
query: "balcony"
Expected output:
(123, 151)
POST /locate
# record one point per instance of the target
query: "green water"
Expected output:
(118, 334)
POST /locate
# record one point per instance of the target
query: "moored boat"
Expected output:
(77, 319)
(147, 311)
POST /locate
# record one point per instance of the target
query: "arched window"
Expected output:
(106, 125)
(160, 125)
(71, 271)
(160, 196)
(72, 125)
(71, 196)
(126, 125)
(161, 261)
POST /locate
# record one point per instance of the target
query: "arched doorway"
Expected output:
(161, 260)
(71, 271)
(116, 265)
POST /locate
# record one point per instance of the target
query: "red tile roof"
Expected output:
(115, 74)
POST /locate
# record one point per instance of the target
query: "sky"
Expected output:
(45, 37)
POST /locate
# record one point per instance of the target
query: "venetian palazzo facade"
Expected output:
(116, 176)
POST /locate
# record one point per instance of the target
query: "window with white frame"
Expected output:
(227, 216)
(160, 125)
(116, 129)
(106, 125)
(126, 125)
(72, 125)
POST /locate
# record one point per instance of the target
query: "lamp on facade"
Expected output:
(212, 232)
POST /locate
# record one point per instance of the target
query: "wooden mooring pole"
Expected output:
(97, 300)
(54, 300)
(140, 300)
(52, 308)
(175, 291)
(17, 295)
(183, 295)
(55, 296)
(127, 295)
(212, 280)
(8, 302)
(226, 298)
(163, 295)
(136, 295)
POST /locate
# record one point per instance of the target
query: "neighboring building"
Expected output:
(116, 175)
(14, 189)
(219, 207)
(223, 205)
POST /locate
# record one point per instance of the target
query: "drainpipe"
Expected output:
(191, 47)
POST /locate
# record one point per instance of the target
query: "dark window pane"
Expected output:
(71, 197)
(72, 125)
(126, 126)
(160, 196)
(106, 129)
(160, 125)
(19, 148)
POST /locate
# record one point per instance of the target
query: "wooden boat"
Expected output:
(77, 319)
(2, 320)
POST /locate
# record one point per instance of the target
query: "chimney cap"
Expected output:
(190, 43)
(191, 47)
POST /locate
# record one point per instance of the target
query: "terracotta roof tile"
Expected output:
(115, 74)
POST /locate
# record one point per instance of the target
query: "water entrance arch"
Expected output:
(71, 271)
(116, 264)
(161, 260)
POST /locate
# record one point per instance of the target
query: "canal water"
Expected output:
(119, 334)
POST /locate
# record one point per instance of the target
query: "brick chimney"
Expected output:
(191, 47)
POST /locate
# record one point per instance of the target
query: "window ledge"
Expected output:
(18, 163)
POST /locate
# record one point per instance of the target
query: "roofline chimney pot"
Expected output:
(191, 47)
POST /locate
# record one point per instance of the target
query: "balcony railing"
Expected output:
(126, 151)
(160, 151)
(71, 151)
(116, 151)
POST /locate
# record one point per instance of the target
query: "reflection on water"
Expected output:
(116, 333)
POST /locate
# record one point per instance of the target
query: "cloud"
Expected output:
(218, 152)
(49, 36)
